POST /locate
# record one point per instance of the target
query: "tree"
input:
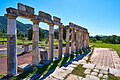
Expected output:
(56, 33)
(97, 37)
(20, 34)
(41, 34)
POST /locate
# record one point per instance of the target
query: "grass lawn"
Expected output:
(100, 44)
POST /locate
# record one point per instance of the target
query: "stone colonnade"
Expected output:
(82, 36)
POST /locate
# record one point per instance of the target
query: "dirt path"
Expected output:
(106, 57)
(26, 58)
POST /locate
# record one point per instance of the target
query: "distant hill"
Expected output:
(21, 26)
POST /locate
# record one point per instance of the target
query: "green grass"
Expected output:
(89, 56)
(2, 75)
(79, 70)
(3, 39)
(112, 77)
(43, 70)
(2, 55)
(100, 44)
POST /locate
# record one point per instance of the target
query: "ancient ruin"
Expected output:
(23, 11)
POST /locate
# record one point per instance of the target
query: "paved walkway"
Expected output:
(104, 61)
(105, 57)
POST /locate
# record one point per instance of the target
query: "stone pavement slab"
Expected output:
(105, 57)
(115, 72)
(89, 66)
(73, 77)
(90, 77)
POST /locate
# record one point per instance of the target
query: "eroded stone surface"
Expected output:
(71, 65)
(51, 78)
(87, 71)
(68, 68)
(115, 72)
(75, 63)
(90, 66)
(94, 73)
(105, 76)
(95, 70)
(105, 57)
(72, 77)
(100, 75)
(103, 72)
(90, 77)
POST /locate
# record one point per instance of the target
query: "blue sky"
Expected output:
(100, 17)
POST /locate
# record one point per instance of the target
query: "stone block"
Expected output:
(24, 67)
(26, 48)
(90, 77)
(89, 66)
(43, 56)
(87, 71)
(115, 72)
(94, 73)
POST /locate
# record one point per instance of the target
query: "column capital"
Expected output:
(11, 16)
(50, 24)
(35, 21)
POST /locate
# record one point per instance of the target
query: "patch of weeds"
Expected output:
(112, 77)
(2, 75)
(3, 55)
(43, 70)
(25, 74)
(89, 56)
(79, 70)
(80, 51)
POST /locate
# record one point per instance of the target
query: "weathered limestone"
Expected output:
(73, 40)
(60, 42)
(67, 40)
(87, 39)
(11, 45)
(84, 39)
(26, 48)
(77, 40)
(51, 42)
(43, 56)
(35, 42)
(23, 41)
(80, 39)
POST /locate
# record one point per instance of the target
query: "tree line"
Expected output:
(114, 39)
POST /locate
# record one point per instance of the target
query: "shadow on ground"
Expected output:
(41, 72)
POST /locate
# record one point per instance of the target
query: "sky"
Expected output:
(100, 17)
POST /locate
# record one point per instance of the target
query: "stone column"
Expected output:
(11, 45)
(84, 38)
(60, 42)
(77, 40)
(80, 39)
(73, 40)
(51, 42)
(35, 42)
(87, 39)
(67, 41)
